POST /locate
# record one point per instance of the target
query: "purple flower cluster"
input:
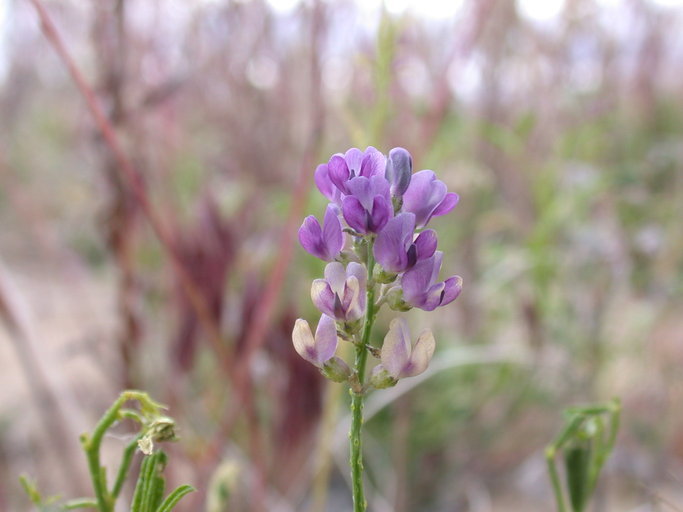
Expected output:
(384, 208)
(380, 196)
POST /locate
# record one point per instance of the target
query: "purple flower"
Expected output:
(367, 207)
(399, 171)
(342, 169)
(325, 185)
(395, 249)
(341, 294)
(320, 349)
(428, 197)
(325, 243)
(399, 358)
(420, 288)
(332, 178)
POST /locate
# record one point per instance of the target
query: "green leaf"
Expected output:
(31, 490)
(80, 503)
(577, 461)
(172, 499)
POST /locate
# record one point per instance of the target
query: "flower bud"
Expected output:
(399, 171)
(159, 430)
(336, 370)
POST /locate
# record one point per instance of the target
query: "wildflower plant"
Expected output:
(380, 252)
(155, 428)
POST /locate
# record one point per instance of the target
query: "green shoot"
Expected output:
(585, 443)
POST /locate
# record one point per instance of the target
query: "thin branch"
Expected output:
(132, 178)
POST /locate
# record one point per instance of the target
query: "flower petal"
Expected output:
(335, 275)
(373, 163)
(325, 339)
(323, 296)
(332, 236)
(354, 158)
(351, 301)
(361, 273)
(452, 288)
(323, 182)
(436, 267)
(382, 211)
(360, 188)
(354, 214)
(303, 341)
(379, 186)
(311, 238)
(431, 299)
(393, 241)
(396, 348)
(447, 204)
(416, 281)
(421, 355)
(339, 172)
(423, 195)
(426, 243)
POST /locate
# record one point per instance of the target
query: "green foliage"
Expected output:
(585, 444)
(149, 490)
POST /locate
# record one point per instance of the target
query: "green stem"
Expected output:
(555, 479)
(356, 460)
(91, 446)
(126, 460)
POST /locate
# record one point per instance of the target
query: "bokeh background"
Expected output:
(559, 123)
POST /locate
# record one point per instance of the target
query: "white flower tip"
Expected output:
(422, 354)
(303, 340)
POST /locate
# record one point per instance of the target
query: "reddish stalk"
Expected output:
(132, 178)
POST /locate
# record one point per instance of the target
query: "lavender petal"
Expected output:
(326, 339)
(382, 211)
(311, 238)
(426, 243)
(355, 215)
(332, 236)
(396, 348)
(323, 297)
(339, 172)
(324, 184)
(452, 288)
(446, 205)
(416, 281)
(392, 242)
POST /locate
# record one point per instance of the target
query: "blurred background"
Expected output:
(171, 264)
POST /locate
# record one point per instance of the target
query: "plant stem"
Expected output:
(91, 446)
(126, 460)
(555, 479)
(356, 460)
